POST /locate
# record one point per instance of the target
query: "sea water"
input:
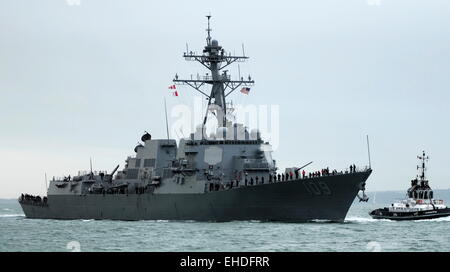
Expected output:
(359, 232)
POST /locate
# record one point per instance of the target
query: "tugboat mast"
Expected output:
(423, 168)
(215, 59)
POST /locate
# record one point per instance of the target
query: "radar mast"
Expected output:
(215, 59)
(422, 168)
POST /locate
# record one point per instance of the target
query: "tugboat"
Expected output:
(419, 202)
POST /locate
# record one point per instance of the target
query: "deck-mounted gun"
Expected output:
(110, 176)
(298, 169)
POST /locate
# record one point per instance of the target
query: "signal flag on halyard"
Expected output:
(174, 87)
(245, 90)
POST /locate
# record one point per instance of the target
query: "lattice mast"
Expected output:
(215, 59)
(422, 167)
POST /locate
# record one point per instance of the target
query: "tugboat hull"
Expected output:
(420, 215)
(302, 200)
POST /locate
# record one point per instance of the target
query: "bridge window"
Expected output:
(138, 163)
(132, 173)
(149, 162)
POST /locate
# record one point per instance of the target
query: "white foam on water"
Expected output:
(7, 209)
(321, 221)
(357, 219)
(440, 219)
(12, 215)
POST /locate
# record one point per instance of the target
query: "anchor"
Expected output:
(364, 197)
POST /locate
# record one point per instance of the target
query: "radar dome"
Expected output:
(146, 137)
(137, 147)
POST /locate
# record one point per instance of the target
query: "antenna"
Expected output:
(368, 151)
(90, 163)
(423, 159)
(243, 50)
(167, 122)
(46, 187)
(239, 72)
(208, 39)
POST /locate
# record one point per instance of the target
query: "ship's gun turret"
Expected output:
(109, 177)
(300, 168)
(114, 171)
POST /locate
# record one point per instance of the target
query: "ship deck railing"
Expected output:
(265, 179)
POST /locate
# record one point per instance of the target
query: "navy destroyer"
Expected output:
(227, 176)
(419, 202)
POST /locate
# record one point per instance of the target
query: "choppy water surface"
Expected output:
(358, 233)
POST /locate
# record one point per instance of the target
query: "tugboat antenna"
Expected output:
(423, 158)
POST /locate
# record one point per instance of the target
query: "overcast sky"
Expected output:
(81, 81)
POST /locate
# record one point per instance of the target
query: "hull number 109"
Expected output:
(317, 188)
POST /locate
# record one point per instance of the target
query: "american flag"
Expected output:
(175, 93)
(245, 90)
(172, 87)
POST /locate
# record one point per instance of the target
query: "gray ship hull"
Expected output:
(322, 198)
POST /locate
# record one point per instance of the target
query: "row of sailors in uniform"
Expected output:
(296, 175)
(26, 198)
(277, 178)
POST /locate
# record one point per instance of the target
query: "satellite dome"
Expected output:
(137, 147)
(214, 43)
(146, 137)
